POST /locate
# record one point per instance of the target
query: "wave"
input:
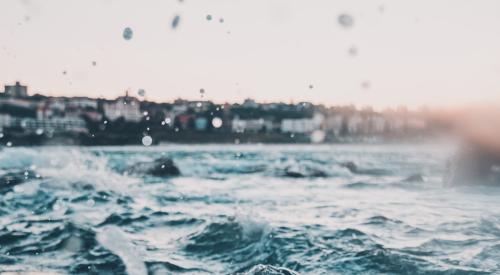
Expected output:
(239, 237)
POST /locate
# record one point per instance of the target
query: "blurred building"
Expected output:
(302, 125)
(125, 107)
(251, 125)
(16, 90)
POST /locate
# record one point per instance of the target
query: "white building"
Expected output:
(123, 107)
(302, 125)
(334, 123)
(251, 125)
(5, 121)
(54, 125)
(355, 124)
(82, 103)
(377, 124)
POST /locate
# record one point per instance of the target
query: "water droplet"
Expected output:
(175, 21)
(311, 86)
(1, 135)
(128, 33)
(39, 131)
(141, 92)
(221, 20)
(209, 17)
(147, 141)
(317, 136)
(94, 63)
(64, 72)
(366, 85)
(345, 20)
(217, 122)
(8, 144)
(198, 104)
(353, 51)
(145, 113)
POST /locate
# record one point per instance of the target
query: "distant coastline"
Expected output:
(40, 120)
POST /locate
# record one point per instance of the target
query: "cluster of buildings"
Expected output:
(25, 114)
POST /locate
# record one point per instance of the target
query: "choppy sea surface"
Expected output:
(239, 209)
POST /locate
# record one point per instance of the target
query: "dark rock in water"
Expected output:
(303, 172)
(270, 270)
(11, 179)
(414, 178)
(162, 167)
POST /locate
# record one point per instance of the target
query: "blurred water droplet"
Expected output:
(64, 72)
(366, 84)
(94, 63)
(8, 144)
(198, 104)
(141, 92)
(311, 86)
(318, 136)
(217, 122)
(209, 17)
(345, 20)
(147, 141)
(175, 21)
(353, 51)
(128, 33)
(381, 8)
(221, 20)
(39, 131)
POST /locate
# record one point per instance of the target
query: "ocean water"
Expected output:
(249, 209)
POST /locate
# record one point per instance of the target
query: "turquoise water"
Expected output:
(237, 209)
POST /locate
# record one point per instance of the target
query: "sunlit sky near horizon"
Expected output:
(428, 52)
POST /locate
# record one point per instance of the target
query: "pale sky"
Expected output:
(433, 52)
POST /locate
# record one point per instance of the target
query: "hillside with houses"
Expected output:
(37, 119)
